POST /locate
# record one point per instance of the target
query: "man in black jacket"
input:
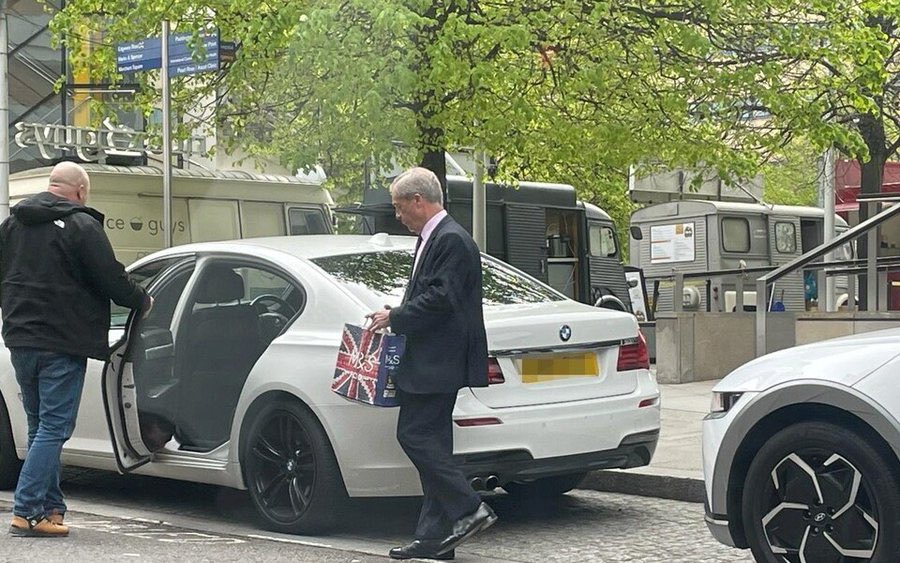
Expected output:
(57, 275)
(446, 350)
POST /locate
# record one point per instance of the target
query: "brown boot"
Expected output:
(56, 518)
(37, 528)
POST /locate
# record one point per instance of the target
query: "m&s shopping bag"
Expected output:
(366, 364)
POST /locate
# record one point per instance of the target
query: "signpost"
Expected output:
(146, 54)
(167, 138)
(175, 55)
(4, 113)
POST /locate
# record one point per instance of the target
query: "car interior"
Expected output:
(189, 382)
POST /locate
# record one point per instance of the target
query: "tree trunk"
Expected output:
(432, 148)
(435, 161)
(871, 177)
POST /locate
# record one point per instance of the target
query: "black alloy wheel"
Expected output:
(819, 492)
(290, 470)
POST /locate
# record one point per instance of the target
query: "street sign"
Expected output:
(183, 60)
(182, 56)
(135, 56)
(146, 54)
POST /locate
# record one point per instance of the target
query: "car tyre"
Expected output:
(545, 487)
(9, 462)
(290, 470)
(818, 488)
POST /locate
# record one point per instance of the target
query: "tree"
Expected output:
(552, 88)
(791, 177)
(826, 71)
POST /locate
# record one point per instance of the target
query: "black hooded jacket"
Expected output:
(57, 275)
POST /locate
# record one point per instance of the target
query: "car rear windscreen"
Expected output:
(387, 273)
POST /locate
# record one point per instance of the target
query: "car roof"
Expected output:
(306, 246)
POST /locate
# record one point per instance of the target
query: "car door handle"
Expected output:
(160, 352)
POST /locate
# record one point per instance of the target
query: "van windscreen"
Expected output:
(735, 234)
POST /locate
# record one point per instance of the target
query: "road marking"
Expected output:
(286, 540)
(151, 531)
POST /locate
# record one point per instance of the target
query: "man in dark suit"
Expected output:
(446, 350)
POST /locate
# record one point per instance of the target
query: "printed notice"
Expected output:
(636, 292)
(672, 243)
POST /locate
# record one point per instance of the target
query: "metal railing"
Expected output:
(872, 264)
(679, 277)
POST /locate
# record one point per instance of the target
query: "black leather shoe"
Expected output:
(467, 526)
(422, 549)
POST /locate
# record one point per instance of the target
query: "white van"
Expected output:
(693, 236)
(206, 205)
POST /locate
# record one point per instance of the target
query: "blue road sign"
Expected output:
(146, 54)
(184, 61)
(140, 55)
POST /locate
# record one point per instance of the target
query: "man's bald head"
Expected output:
(70, 180)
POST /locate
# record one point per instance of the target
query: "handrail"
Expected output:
(34, 108)
(41, 119)
(713, 273)
(805, 259)
(27, 41)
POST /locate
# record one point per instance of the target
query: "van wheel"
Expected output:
(545, 487)
(818, 492)
(9, 462)
(290, 470)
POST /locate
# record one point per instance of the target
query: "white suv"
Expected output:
(801, 449)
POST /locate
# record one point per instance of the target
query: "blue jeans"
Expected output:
(51, 386)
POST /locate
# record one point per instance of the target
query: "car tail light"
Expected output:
(633, 354)
(494, 373)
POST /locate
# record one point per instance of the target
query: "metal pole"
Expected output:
(479, 226)
(828, 192)
(871, 261)
(852, 281)
(4, 113)
(678, 293)
(760, 318)
(166, 140)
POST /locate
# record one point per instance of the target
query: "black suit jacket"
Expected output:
(441, 316)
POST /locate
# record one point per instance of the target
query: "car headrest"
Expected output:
(220, 284)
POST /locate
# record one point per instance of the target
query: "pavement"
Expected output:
(676, 470)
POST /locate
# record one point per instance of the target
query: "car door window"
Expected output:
(144, 276)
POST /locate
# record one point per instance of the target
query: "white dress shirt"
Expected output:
(426, 234)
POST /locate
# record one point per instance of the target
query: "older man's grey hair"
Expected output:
(420, 181)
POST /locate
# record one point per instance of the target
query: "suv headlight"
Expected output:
(722, 401)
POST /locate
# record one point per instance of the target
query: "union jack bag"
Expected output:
(366, 364)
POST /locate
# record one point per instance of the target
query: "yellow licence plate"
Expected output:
(539, 369)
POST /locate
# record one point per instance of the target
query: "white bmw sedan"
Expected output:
(228, 382)
(801, 450)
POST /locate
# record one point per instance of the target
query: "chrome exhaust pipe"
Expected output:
(491, 483)
(477, 483)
